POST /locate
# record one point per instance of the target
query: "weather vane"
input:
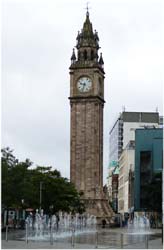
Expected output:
(87, 8)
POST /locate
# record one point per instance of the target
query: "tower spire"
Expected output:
(73, 57)
(87, 46)
(87, 8)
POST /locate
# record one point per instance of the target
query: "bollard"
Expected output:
(51, 236)
(73, 238)
(146, 242)
(122, 243)
(26, 233)
(96, 245)
(6, 232)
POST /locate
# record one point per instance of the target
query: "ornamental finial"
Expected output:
(87, 8)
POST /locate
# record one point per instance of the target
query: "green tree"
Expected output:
(20, 182)
(15, 183)
(58, 193)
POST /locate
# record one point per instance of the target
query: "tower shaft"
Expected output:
(87, 104)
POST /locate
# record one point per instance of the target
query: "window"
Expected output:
(85, 55)
(145, 176)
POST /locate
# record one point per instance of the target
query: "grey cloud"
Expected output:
(37, 42)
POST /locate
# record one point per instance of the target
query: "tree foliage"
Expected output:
(21, 186)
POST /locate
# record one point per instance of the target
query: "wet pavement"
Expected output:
(105, 238)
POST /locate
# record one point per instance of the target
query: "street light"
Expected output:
(22, 215)
(40, 200)
(22, 203)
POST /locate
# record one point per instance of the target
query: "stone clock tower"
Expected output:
(87, 102)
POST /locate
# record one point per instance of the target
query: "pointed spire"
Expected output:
(87, 14)
(73, 57)
(101, 61)
(87, 37)
(87, 45)
(96, 35)
(78, 35)
(87, 27)
(87, 8)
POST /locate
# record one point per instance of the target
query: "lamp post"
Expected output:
(22, 215)
(40, 198)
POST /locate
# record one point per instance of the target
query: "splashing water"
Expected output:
(140, 224)
(58, 225)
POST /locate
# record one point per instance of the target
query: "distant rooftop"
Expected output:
(140, 117)
(147, 117)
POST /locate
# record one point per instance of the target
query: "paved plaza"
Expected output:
(107, 238)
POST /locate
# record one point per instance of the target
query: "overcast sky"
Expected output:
(37, 41)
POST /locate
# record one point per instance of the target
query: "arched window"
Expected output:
(85, 55)
(92, 54)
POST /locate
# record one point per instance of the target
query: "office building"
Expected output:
(148, 165)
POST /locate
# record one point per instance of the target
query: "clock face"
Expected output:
(84, 84)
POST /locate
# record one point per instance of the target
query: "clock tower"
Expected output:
(87, 103)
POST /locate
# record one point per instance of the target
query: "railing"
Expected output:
(6, 236)
(96, 239)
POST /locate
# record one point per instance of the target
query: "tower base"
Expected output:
(100, 208)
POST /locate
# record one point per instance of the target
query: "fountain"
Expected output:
(62, 224)
(138, 229)
(67, 229)
(140, 224)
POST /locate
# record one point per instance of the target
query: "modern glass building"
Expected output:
(123, 131)
(148, 162)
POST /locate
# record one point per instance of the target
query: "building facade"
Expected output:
(122, 132)
(87, 103)
(161, 121)
(115, 176)
(115, 142)
(126, 177)
(148, 163)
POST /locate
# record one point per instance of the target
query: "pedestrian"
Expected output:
(103, 223)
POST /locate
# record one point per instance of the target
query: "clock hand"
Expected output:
(84, 85)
